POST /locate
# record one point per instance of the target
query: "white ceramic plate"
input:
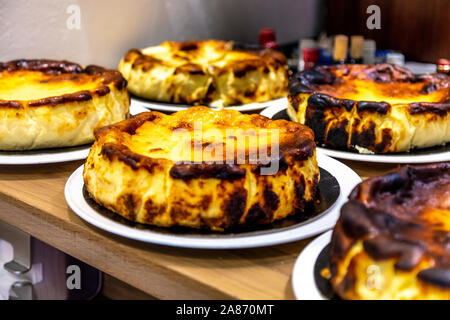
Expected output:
(54, 155)
(345, 177)
(303, 280)
(173, 107)
(436, 154)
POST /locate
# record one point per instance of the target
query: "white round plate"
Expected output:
(303, 281)
(346, 178)
(54, 155)
(173, 107)
(437, 154)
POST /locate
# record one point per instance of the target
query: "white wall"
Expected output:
(38, 28)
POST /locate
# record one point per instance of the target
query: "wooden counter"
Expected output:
(32, 200)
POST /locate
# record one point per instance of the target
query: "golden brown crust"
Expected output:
(205, 72)
(64, 71)
(208, 194)
(48, 103)
(404, 218)
(380, 108)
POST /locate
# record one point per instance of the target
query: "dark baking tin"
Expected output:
(322, 283)
(328, 194)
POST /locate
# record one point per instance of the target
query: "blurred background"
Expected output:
(108, 28)
(101, 31)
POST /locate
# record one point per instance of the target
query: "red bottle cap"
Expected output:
(443, 66)
(443, 62)
(311, 55)
(266, 35)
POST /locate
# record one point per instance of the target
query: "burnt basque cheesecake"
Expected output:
(392, 240)
(195, 168)
(379, 108)
(212, 72)
(46, 103)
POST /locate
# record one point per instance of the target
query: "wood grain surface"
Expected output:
(32, 200)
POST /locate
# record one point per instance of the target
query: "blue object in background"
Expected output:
(325, 57)
(380, 55)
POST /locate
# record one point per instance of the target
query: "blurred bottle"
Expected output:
(340, 49)
(395, 58)
(304, 44)
(267, 38)
(356, 43)
(443, 66)
(326, 50)
(310, 57)
(369, 47)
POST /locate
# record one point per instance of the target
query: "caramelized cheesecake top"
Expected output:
(201, 135)
(48, 82)
(192, 55)
(383, 83)
(405, 214)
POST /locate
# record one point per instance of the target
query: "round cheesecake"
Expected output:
(47, 104)
(379, 108)
(392, 240)
(212, 72)
(200, 168)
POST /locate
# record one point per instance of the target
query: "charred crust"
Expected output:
(271, 200)
(440, 109)
(53, 101)
(320, 100)
(56, 68)
(128, 126)
(129, 56)
(141, 60)
(382, 247)
(337, 135)
(355, 221)
(234, 207)
(228, 172)
(385, 213)
(241, 68)
(191, 68)
(303, 151)
(315, 119)
(102, 91)
(387, 73)
(386, 140)
(50, 67)
(125, 155)
(349, 280)
(309, 80)
(178, 212)
(205, 202)
(10, 104)
(428, 88)
(282, 165)
(366, 137)
(293, 102)
(188, 45)
(257, 214)
(372, 106)
(437, 276)
(299, 188)
(129, 204)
